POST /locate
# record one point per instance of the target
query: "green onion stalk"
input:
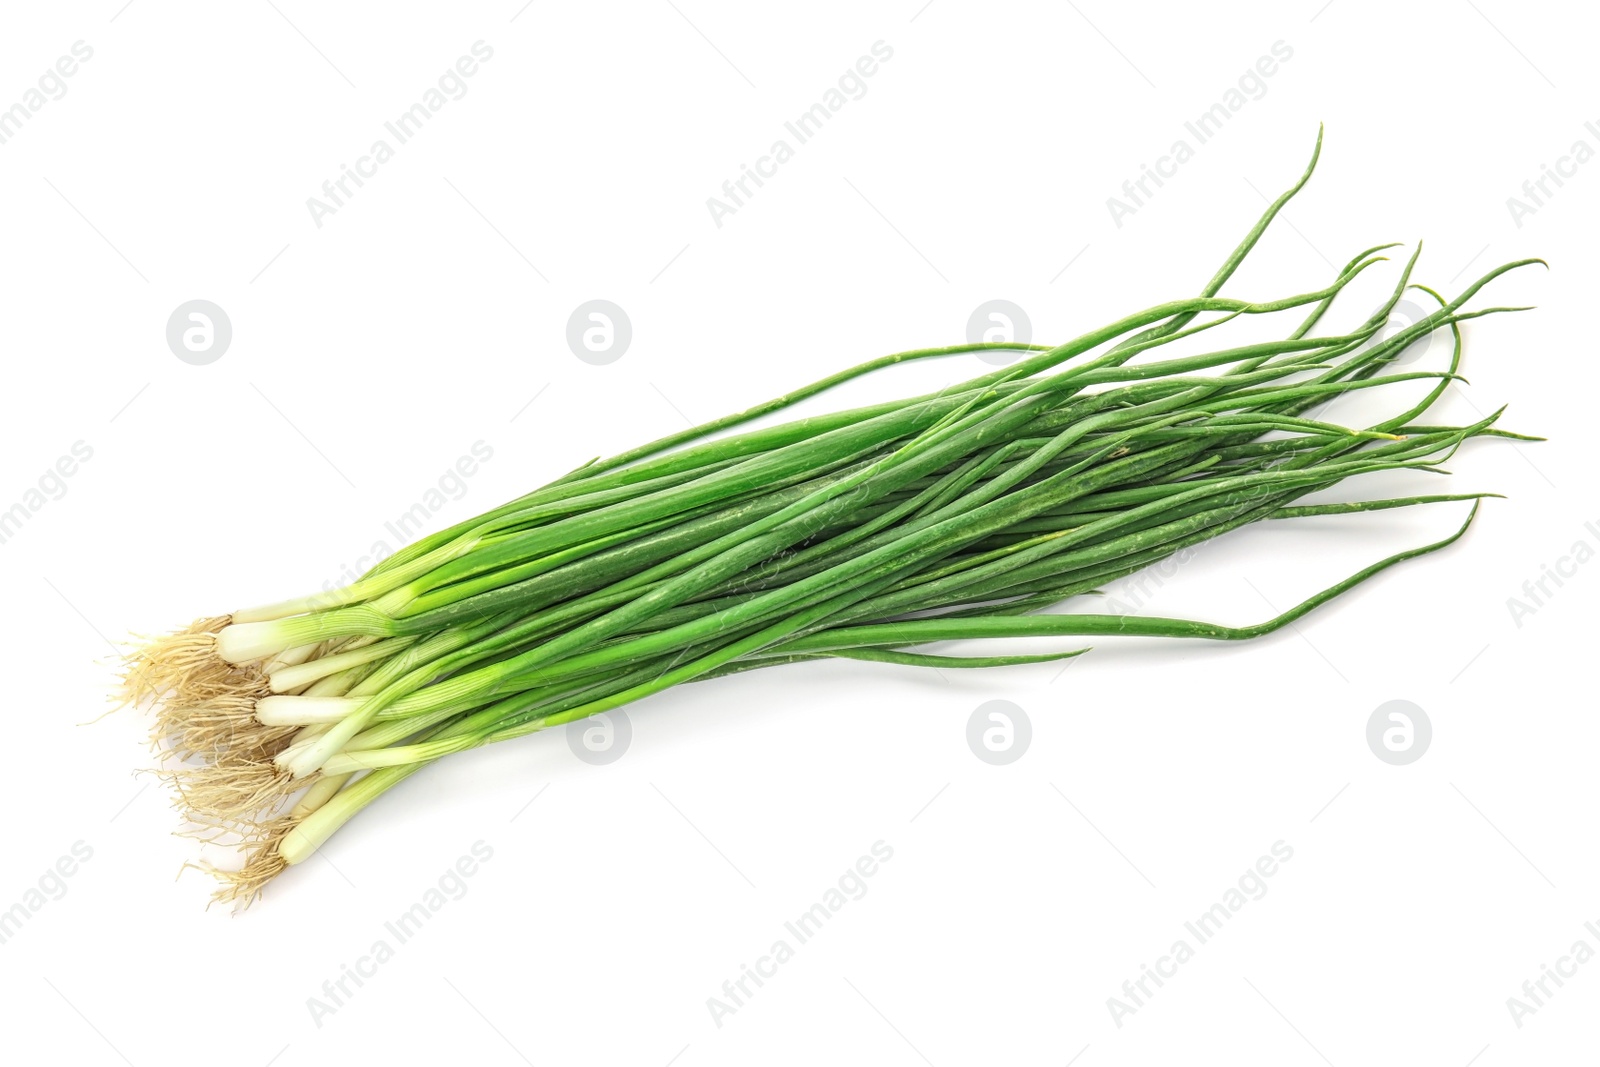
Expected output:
(977, 512)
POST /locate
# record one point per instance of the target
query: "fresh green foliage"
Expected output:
(976, 512)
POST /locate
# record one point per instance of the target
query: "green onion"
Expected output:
(973, 513)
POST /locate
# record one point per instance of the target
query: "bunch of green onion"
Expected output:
(864, 534)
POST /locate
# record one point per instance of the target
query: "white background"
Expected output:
(429, 313)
